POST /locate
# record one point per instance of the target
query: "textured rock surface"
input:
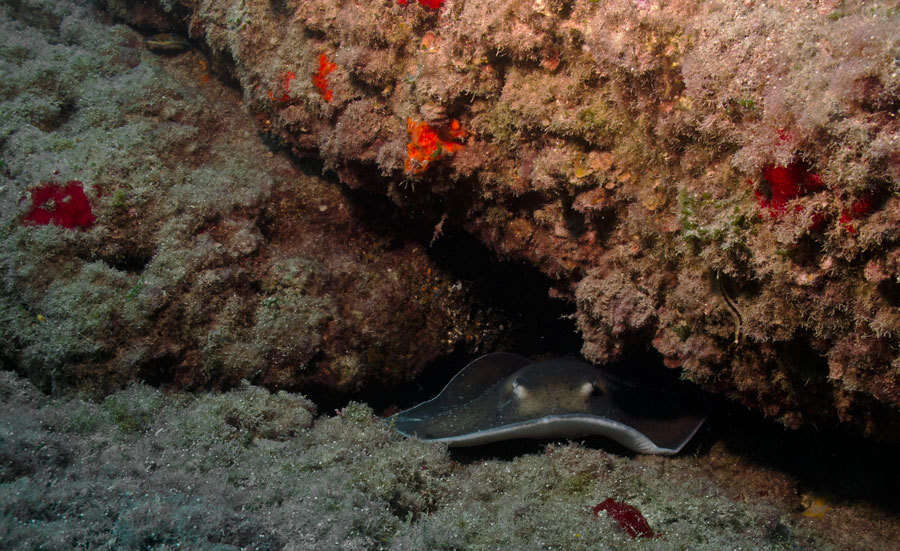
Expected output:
(717, 179)
(247, 469)
(210, 259)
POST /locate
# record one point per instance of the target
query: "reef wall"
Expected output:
(717, 180)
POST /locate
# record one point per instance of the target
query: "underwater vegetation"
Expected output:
(199, 259)
(153, 359)
(608, 145)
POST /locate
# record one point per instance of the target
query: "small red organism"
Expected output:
(432, 4)
(628, 517)
(862, 206)
(456, 131)
(286, 86)
(784, 135)
(781, 184)
(60, 205)
(426, 146)
(326, 66)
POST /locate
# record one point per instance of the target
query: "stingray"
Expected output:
(503, 396)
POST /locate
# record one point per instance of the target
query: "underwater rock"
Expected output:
(695, 108)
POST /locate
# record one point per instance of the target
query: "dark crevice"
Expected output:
(806, 366)
(159, 372)
(130, 261)
(58, 119)
(807, 252)
(512, 291)
(810, 456)
(574, 220)
(529, 201)
(889, 289)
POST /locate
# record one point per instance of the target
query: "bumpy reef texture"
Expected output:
(717, 179)
(194, 256)
(146, 233)
(249, 470)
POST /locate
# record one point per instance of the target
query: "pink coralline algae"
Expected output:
(628, 517)
(60, 205)
(781, 184)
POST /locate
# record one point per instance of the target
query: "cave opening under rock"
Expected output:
(516, 295)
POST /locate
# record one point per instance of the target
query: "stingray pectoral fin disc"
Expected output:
(668, 436)
(465, 403)
(503, 396)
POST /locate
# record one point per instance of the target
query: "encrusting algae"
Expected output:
(426, 146)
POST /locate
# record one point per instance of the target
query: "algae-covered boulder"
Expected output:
(148, 233)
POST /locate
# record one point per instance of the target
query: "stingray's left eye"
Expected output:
(519, 391)
(589, 389)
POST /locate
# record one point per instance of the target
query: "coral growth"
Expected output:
(286, 79)
(432, 4)
(860, 207)
(214, 260)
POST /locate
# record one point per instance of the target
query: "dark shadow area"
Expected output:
(889, 289)
(837, 464)
(160, 371)
(514, 293)
(539, 324)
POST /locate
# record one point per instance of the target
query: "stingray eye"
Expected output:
(585, 390)
(519, 391)
(592, 388)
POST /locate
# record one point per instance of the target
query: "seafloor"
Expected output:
(248, 469)
(203, 260)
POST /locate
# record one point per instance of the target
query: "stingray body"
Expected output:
(502, 396)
